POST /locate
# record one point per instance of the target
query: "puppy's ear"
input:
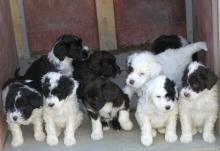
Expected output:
(45, 86)
(211, 78)
(156, 69)
(60, 51)
(35, 100)
(95, 63)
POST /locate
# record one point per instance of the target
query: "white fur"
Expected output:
(65, 116)
(151, 114)
(171, 63)
(15, 128)
(198, 114)
(65, 66)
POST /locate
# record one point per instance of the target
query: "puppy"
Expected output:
(61, 110)
(66, 49)
(144, 66)
(157, 110)
(165, 42)
(106, 104)
(23, 106)
(198, 103)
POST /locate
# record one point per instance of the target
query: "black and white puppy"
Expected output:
(157, 110)
(66, 49)
(165, 42)
(61, 110)
(105, 102)
(198, 104)
(23, 106)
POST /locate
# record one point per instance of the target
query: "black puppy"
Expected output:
(66, 49)
(165, 42)
(105, 102)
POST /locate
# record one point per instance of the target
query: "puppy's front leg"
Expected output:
(38, 129)
(146, 129)
(69, 138)
(208, 130)
(97, 132)
(170, 134)
(124, 120)
(186, 127)
(17, 137)
(50, 126)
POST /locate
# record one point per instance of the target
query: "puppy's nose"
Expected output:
(15, 118)
(186, 94)
(51, 104)
(167, 107)
(131, 82)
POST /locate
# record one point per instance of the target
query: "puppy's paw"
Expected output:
(170, 138)
(186, 138)
(69, 141)
(17, 142)
(52, 140)
(146, 140)
(127, 125)
(209, 138)
(154, 133)
(39, 136)
(97, 135)
(202, 45)
(106, 128)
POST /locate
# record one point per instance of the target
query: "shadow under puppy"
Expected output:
(106, 104)
(198, 104)
(61, 111)
(157, 110)
(23, 106)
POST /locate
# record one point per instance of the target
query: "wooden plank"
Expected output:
(216, 46)
(18, 23)
(106, 24)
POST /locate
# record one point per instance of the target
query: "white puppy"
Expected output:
(172, 62)
(157, 110)
(198, 103)
(61, 109)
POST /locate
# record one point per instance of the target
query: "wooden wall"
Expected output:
(8, 57)
(135, 21)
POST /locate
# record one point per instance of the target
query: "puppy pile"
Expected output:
(169, 86)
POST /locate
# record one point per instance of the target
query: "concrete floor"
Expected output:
(113, 140)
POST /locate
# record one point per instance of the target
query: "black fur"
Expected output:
(200, 79)
(170, 89)
(29, 100)
(63, 89)
(164, 42)
(66, 46)
(95, 89)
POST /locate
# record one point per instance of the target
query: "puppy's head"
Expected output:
(56, 88)
(20, 100)
(197, 78)
(104, 64)
(162, 92)
(141, 68)
(70, 46)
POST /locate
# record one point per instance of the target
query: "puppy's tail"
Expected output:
(194, 47)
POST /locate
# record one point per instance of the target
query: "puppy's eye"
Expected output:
(141, 74)
(130, 69)
(158, 96)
